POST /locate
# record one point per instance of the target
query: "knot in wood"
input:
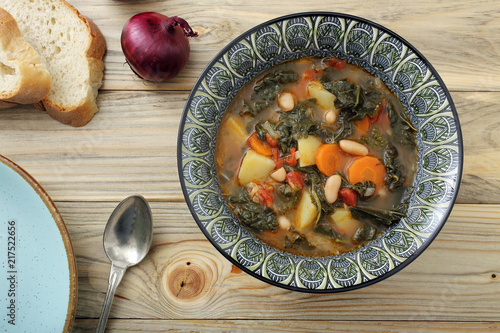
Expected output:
(188, 279)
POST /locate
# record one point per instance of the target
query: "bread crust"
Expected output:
(79, 115)
(34, 80)
(81, 111)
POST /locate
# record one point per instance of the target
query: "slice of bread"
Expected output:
(24, 78)
(72, 47)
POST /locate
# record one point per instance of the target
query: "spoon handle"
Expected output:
(115, 276)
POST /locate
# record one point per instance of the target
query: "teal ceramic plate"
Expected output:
(38, 281)
(381, 52)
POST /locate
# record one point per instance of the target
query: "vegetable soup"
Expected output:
(316, 157)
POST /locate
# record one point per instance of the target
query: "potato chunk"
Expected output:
(307, 148)
(344, 223)
(236, 131)
(306, 211)
(254, 167)
(324, 98)
(237, 127)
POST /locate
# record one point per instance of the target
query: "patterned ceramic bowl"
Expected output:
(381, 52)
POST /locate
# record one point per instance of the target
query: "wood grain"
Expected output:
(458, 38)
(131, 147)
(185, 284)
(185, 277)
(288, 326)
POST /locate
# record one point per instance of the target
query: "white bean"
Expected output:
(382, 192)
(353, 147)
(331, 117)
(279, 175)
(284, 222)
(286, 101)
(332, 187)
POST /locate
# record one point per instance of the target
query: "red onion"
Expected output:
(156, 46)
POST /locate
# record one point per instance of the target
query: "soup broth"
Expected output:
(316, 157)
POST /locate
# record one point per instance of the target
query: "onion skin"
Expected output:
(156, 46)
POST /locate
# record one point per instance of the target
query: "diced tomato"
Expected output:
(271, 141)
(301, 87)
(266, 193)
(336, 63)
(381, 109)
(348, 196)
(339, 65)
(296, 179)
(311, 74)
(277, 159)
(291, 160)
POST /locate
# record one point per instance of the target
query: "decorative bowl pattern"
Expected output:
(381, 52)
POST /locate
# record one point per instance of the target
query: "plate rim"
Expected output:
(428, 240)
(68, 246)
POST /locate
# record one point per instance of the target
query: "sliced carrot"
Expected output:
(362, 126)
(367, 168)
(328, 158)
(259, 146)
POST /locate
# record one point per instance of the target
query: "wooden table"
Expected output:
(185, 284)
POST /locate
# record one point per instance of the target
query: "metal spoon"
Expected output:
(127, 239)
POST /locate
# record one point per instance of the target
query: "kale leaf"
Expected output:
(325, 228)
(404, 131)
(350, 96)
(266, 90)
(316, 180)
(405, 200)
(374, 139)
(251, 213)
(288, 198)
(297, 240)
(370, 101)
(347, 94)
(380, 216)
(296, 124)
(395, 171)
(345, 128)
(363, 189)
(365, 233)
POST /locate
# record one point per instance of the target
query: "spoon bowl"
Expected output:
(127, 240)
(128, 233)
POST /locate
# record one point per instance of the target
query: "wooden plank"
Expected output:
(480, 122)
(130, 147)
(461, 42)
(185, 277)
(288, 326)
(185, 284)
